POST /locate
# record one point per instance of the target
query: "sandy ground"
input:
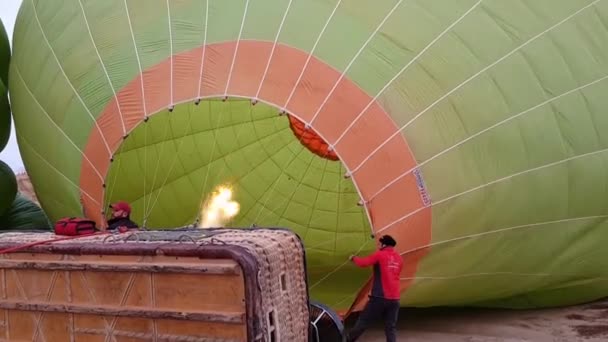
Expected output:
(580, 323)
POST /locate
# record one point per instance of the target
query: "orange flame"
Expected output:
(219, 209)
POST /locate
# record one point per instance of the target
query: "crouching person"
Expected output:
(121, 217)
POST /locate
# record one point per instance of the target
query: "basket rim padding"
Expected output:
(240, 244)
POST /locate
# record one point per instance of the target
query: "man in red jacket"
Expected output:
(385, 294)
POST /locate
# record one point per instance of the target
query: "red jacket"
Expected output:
(387, 272)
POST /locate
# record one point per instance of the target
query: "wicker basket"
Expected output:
(177, 285)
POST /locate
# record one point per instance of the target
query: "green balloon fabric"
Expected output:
(5, 54)
(8, 187)
(470, 130)
(5, 112)
(5, 117)
(24, 214)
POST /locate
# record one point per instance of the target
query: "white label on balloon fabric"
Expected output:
(424, 195)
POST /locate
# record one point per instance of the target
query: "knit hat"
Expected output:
(388, 241)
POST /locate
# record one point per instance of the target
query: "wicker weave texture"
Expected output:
(282, 277)
(282, 312)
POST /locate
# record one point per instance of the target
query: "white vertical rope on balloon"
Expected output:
(111, 193)
(300, 181)
(273, 187)
(143, 97)
(202, 189)
(364, 235)
(276, 39)
(152, 203)
(156, 168)
(338, 216)
(507, 274)
(240, 148)
(143, 93)
(496, 181)
(170, 54)
(503, 230)
(473, 136)
(470, 79)
(170, 106)
(350, 64)
(490, 233)
(304, 68)
(295, 189)
(350, 172)
(223, 168)
(373, 100)
(161, 188)
(314, 203)
(314, 47)
(145, 168)
(236, 49)
(302, 74)
(65, 135)
(55, 169)
(337, 268)
(200, 78)
(105, 70)
(497, 62)
(69, 81)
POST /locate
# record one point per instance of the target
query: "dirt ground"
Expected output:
(587, 323)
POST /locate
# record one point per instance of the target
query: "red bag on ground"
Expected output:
(71, 226)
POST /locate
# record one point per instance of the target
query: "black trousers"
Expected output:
(377, 308)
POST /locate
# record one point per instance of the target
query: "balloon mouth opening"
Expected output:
(311, 140)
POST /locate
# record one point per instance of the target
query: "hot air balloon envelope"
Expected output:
(469, 130)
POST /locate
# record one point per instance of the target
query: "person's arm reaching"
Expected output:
(365, 261)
